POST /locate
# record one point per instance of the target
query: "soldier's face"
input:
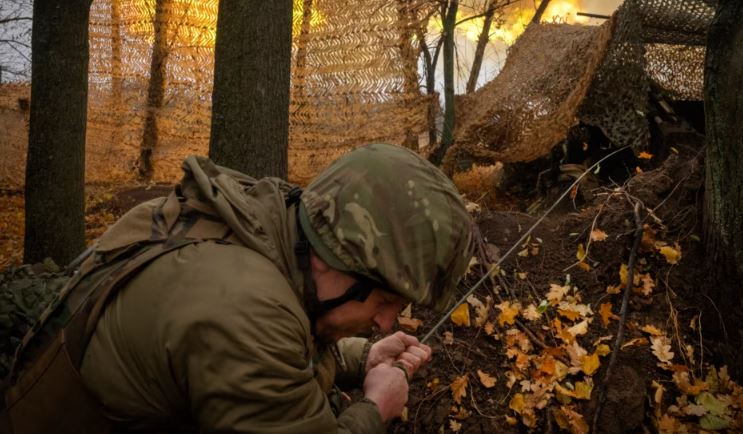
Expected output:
(379, 311)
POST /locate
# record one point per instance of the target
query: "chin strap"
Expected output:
(316, 308)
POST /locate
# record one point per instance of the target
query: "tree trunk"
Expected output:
(723, 106)
(116, 72)
(447, 135)
(482, 42)
(55, 167)
(250, 101)
(302, 40)
(155, 90)
(433, 100)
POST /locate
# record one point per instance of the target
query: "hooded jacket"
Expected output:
(214, 337)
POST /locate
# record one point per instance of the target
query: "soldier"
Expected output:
(234, 304)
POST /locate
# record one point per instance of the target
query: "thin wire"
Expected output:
(518, 243)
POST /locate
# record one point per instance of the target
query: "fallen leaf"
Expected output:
(682, 382)
(613, 289)
(461, 315)
(486, 379)
(408, 311)
(521, 276)
(584, 266)
(569, 419)
(572, 315)
(511, 420)
(404, 414)
(523, 253)
(661, 347)
(651, 330)
(635, 342)
(647, 285)
(598, 235)
(448, 338)
(556, 293)
(509, 312)
(606, 314)
(673, 255)
(582, 390)
(603, 350)
(460, 413)
(459, 388)
(579, 329)
(409, 324)
(454, 425)
(481, 309)
(644, 155)
(433, 384)
(623, 273)
(581, 253)
(489, 328)
(591, 364)
(517, 403)
(531, 313)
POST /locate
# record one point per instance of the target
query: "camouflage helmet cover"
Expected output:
(384, 212)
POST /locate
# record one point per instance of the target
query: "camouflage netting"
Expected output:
(558, 75)
(354, 81)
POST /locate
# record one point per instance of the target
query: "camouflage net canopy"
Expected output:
(354, 81)
(558, 75)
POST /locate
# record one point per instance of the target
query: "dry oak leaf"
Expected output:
(481, 309)
(486, 379)
(647, 285)
(598, 235)
(454, 425)
(531, 313)
(459, 388)
(509, 312)
(489, 328)
(644, 155)
(606, 314)
(448, 338)
(461, 315)
(571, 420)
(661, 347)
(579, 329)
(603, 350)
(460, 413)
(511, 420)
(409, 324)
(651, 330)
(556, 293)
(408, 311)
(582, 390)
(682, 382)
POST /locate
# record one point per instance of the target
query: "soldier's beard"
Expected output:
(327, 330)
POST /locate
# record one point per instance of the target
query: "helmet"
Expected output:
(383, 212)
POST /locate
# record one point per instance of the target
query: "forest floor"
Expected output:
(530, 349)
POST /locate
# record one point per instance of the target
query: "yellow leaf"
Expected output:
(579, 329)
(581, 253)
(517, 403)
(644, 155)
(521, 276)
(408, 311)
(651, 330)
(459, 388)
(606, 314)
(602, 350)
(613, 289)
(682, 381)
(638, 170)
(623, 273)
(523, 253)
(672, 254)
(511, 420)
(591, 364)
(569, 314)
(486, 379)
(509, 312)
(409, 324)
(598, 235)
(582, 390)
(556, 293)
(584, 266)
(572, 419)
(489, 328)
(461, 316)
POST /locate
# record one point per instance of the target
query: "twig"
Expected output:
(538, 341)
(622, 313)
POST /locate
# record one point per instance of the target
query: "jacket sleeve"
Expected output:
(241, 357)
(355, 352)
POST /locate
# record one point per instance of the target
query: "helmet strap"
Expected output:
(316, 308)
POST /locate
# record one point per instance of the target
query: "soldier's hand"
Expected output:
(399, 347)
(387, 386)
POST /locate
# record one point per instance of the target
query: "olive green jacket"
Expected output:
(214, 337)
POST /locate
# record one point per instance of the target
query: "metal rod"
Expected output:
(520, 240)
(590, 15)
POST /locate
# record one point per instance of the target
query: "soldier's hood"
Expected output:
(254, 211)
